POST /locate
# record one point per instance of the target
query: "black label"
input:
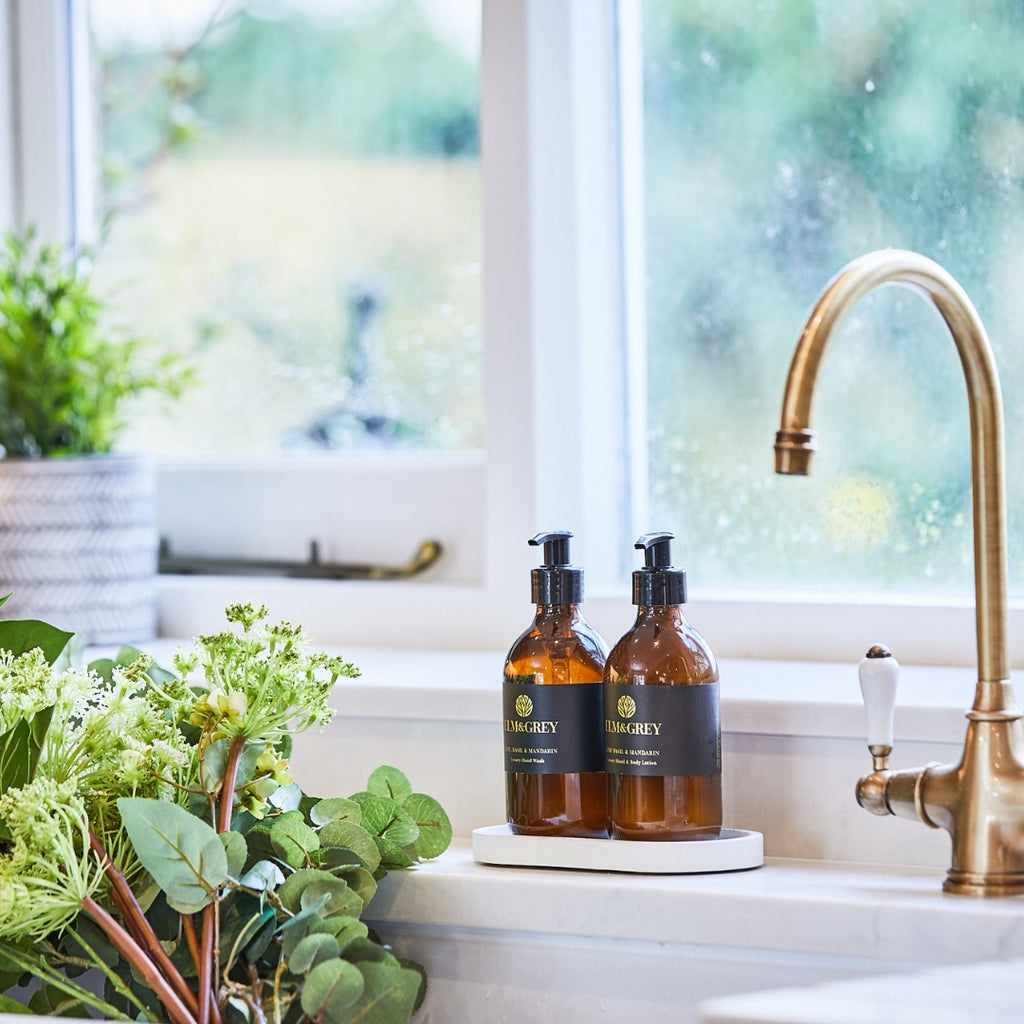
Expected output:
(551, 728)
(662, 730)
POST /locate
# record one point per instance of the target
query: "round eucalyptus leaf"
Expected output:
(293, 840)
(290, 892)
(237, 851)
(312, 950)
(184, 854)
(389, 782)
(347, 835)
(435, 828)
(335, 809)
(339, 898)
(264, 874)
(330, 989)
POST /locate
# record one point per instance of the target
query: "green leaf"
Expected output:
(389, 993)
(335, 809)
(22, 635)
(435, 829)
(330, 989)
(333, 896)
(389, 782)
(264, 874)
(385, 818)
(348, 835)
(215, 762)
(294, 930)
(9, 1005)
(286, 798)
(345, 929)
(241, 919)
(392, 855)
(236, 850)
(362, 882)
(104, 667)
(293, 840)
(334, 857)
(370, 949)
(312, 950)
(52, 1002)
(20, 748)
(257, 839)
(184, 854)
(411, 965)
(290, 893)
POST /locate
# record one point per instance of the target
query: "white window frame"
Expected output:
(563, 418)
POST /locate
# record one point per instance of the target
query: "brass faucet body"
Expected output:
(980, 800)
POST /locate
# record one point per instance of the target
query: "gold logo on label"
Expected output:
(524, 706)
(626, 706)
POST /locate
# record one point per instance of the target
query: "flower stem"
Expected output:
(133, 953)
(227, 790)
(138, 924)
(206, 966)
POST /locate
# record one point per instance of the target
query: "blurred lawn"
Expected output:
(245, 267)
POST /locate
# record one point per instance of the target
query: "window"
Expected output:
(565, 425)
(290, 198)
(782, 141)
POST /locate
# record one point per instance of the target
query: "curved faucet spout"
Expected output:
(795, 441)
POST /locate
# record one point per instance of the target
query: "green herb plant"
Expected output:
(150, 830)
(64, 369)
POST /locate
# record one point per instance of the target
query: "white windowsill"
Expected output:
(429, 613)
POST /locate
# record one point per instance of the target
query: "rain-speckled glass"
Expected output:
(782, 140)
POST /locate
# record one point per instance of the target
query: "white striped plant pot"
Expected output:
(78, 544)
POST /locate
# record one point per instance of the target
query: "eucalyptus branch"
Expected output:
(133, 953)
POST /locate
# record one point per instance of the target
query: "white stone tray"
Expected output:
(734, 850)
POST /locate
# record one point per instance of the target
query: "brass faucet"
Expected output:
(980, 800)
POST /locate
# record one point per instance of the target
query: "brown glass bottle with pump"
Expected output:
(662, 718)
(553, 709)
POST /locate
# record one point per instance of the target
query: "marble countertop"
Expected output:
(816, 907)
(969, 994)
(792, 942)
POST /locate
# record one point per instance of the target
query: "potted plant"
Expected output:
(78, 535)
(150, 830)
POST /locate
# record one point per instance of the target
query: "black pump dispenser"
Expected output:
(658, 583)
(556, 581)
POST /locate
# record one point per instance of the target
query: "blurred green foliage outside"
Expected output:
(784, 139)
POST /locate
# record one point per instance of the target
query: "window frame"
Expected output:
(563, 405)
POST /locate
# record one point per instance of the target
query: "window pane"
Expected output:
(292, 200)
(781, 141)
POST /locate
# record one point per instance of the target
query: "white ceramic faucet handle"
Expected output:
(879, 672)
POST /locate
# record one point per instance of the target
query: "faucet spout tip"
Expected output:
(793, 451)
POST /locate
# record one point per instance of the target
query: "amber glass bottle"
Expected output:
(662, 719)
(553, 699)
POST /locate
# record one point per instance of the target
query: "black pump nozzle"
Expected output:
(657, 549)
(556, 547)
(658, 583)
(556, 581)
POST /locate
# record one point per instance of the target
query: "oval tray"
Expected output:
(733, 850)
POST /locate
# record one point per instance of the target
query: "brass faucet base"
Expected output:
(967, 883)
